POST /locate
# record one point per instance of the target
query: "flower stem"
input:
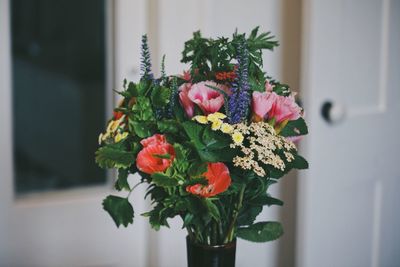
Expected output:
(231, 229)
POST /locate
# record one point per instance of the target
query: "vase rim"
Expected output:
(226, 245)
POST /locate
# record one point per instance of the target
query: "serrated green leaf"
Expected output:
(168, 126)
(122, 181)
(143, 129)
(114, 157)
(120, 210)
(160, 96)
(160, 179)
(261, 232)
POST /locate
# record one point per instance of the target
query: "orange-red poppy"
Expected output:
(218, 178)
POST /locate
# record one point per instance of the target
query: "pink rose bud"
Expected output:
(185, 101)
(208, 99)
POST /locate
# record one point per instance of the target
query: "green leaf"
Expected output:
(194, 181)
(261, 232)
(112, 156)
(181, 152)
(299, 162)
(213, 209)
(208, 144)
(194, 131)
(160, 96)
(122, 181)
(248, 215)
(221, 155)
(142, 110)
(160, 179)
(265, 200)
(168, 126)
(132, 89)
(143, 87)
(295, 128)
(213, 140)
(143, 129)
(197, 169)
(187, 220)
(120, 210)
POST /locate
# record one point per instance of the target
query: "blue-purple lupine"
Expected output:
(145, 63)
(239, 100)
(173, 98)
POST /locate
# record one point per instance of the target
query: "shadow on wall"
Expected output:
(291, 51)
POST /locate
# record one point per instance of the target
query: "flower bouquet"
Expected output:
(208, 143)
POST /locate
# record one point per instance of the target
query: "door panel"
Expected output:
(350, 57)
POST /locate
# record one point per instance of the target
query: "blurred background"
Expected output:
(60, 60)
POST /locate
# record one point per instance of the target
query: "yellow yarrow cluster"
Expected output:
(216, 120)
(115, 130)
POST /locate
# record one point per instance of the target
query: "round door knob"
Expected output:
(333, 112)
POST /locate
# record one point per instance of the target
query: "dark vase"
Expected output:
(199, 255)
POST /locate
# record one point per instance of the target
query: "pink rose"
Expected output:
(284, 108)
(187, 104)
(270, 105)
(262, 102)
(208, 100)
(147, 160)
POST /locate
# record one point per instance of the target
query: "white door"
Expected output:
(348, 200)
(65, 227)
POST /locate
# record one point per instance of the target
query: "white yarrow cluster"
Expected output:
(259, 146)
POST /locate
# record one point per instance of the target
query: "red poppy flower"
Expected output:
(157, 139)
(117, 115)
(218, 179)
(147, 159)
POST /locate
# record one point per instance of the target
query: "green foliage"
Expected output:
(212, 209)
(122, 181)
(120, 210)
(295, 128)
(261, 232)
(142, 120)
(143, 129)
(160, 179)
(248, 214)
(160, 96)
(113, 156)
(208, 143)
(152, 107)
(208, 56)
(169, 126)
(264, 199)
(299, 163)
